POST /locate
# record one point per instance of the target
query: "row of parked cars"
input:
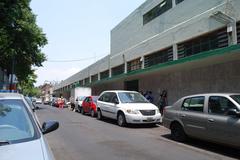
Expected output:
(210, 117)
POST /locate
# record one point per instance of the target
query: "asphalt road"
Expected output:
(81, 137)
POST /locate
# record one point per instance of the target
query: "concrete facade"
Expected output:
(131, 39)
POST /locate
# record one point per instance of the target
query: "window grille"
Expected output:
(94, 78)
(104, 74)
(238, 32)
(214, 40)
(118, 70)
(87, 80)
(158, 57)
(134, 65)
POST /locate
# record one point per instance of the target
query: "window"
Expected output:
(238, 32)
(159, 57)
(104, 74)
(193, 104)
(134, 65)
(114, 98)
(131, 97)
(236, 98)
(118, 70)
(94, 78)
(107, 97)
(211, 41)
(179, 1)
(219, 105)
(157, 11)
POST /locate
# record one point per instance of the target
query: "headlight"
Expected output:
(157, 111)
(130, 111)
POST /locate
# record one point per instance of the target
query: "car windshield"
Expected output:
(81, 98)
(236, 98)
(15, 124)
(131, 97)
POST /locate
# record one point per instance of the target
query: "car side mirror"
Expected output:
(233, 112)
(49, 126)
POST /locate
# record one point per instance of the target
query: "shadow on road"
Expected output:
(212, 147)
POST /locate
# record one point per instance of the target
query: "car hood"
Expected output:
(25, 151)
(138, 106)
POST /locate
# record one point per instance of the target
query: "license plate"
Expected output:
(149, 119)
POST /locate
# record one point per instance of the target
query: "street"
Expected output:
(81, 137)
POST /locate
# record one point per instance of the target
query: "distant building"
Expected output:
(182, 46)
(46, 92)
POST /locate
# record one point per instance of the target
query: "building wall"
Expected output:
(223, 77)
(183, 22)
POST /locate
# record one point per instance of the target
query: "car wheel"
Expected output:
(99, 115)
(121, 120)
(177, 132)
(82, 111)
(92, 113)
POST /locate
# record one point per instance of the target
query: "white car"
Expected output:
(38, 101)
(20, 134)
(127, 107)
(78, 103)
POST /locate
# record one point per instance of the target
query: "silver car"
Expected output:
(211, 117)
(20, 134)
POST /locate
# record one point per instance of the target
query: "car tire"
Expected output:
(177, 132)
(99, 114)
(92, 113)
(121, 120)
(82, 111)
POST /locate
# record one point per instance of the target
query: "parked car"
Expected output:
(89, 105)
(78, 103)
(127, 107)
(21, 137)
(38, 101)
(211, 117)
(31, 104)
(54, 101)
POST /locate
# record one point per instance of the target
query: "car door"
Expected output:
(104, 104)
(222, 127)
(193, 117)
(113, 105)
(85, 104)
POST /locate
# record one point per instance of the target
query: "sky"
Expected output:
(77, 30)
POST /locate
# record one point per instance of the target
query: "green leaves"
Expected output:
(21, 39)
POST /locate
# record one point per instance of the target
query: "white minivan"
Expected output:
(127, 107)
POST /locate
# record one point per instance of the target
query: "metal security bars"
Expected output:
(94, 78)
(104, 74)
(179, 1)
(134, 65)
(214, 40)
(238, 32)
(118, 70)
(162, 56)
(87, 80)
(157, 11)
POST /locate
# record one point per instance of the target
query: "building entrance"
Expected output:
(131, 85)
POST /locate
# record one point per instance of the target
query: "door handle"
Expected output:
(210, 120)
(183, 115)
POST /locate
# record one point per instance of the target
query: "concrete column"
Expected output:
(173, 3)
(125, 67)
(143, 62)
(99, 76)
(175, 52)
(90, 79)
(232, 33)
(110, 72)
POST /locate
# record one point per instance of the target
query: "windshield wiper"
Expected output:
(4, 143)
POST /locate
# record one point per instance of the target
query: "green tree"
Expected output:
(21, 40)
(27, 86)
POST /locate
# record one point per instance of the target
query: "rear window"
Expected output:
(193, 104)
(15, 122)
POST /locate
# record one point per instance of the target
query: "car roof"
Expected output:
(11, 96)
(211, 94)
(119, 91)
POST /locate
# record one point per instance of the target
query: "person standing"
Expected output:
(162, 102)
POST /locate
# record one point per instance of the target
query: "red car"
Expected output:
(89, 105)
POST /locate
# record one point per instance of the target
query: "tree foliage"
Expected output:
(27, 86)
(21, 40)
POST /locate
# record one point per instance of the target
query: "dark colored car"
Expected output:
(89, 105)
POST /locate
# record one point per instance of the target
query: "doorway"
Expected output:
(131, 85)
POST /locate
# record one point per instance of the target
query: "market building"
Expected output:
(182, 46)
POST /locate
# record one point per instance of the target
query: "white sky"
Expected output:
(77, 29)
